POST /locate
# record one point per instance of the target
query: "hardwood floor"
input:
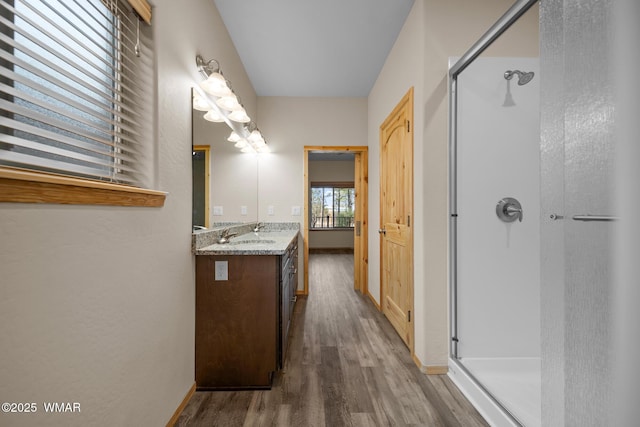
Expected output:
(345, 366)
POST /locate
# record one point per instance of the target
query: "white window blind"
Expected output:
(76, 89)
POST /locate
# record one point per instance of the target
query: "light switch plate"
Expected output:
(222, 270)
(270, 210)
(243, 210)
(218, 211)
(295, 210)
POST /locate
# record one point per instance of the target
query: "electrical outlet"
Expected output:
(218, 211)
(271, 210)
(295, 210)
(243, 210)
(222, 270)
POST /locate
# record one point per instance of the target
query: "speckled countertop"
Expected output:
(272, 239)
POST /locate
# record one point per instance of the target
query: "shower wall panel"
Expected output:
(498, 303)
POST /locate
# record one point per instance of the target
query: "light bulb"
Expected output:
(263, 149)
(239, 116)
(216, 85)
(248, 149)
(241, 144)
(255, 136)
(260, 143)
(213, 116)
(229, 102)
(200, 104)
(234, 137)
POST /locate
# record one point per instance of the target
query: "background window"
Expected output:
(332, 205)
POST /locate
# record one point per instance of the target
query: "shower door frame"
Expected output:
(519, 8)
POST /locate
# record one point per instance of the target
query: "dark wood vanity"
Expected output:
(242, 323)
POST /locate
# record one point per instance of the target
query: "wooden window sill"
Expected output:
(19, 186)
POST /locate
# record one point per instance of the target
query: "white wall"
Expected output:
(434, 31)
(97, 303)
(331, 171)
(498, 263)
(289, 124)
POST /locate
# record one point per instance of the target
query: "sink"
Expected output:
(251, 242)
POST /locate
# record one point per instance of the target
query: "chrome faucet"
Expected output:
(259, 226)
(226, 236)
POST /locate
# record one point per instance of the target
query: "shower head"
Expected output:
(523, 77)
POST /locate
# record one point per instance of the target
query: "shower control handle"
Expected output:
(512, 210)
(509, 209)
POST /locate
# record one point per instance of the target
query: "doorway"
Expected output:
(201, 178)
(356, 220)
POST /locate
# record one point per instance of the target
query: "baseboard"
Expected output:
(431, 369)
(178, 411)
(436, 370)
(330, 250)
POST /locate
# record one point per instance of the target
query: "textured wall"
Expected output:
(97, 303)
(585, 105)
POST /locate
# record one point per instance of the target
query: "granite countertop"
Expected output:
(272, 239)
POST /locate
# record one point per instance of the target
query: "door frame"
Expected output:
(407, 100)
(361, 185)
(207, 179)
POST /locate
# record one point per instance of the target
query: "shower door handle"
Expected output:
(589, 218)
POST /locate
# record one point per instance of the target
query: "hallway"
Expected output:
(345, 366)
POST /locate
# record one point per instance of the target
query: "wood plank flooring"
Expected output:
(345, 366)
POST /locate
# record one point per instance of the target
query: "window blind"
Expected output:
(76, 88)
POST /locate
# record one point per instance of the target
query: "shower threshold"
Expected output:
(514, 382)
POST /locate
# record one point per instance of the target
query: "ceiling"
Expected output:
(332, 48)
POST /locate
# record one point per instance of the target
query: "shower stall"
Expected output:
(495, 227)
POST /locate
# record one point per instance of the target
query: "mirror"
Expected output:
(225, 180)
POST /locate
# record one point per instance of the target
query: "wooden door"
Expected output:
(396, 205)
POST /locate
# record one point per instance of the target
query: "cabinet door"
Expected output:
(286, 315)
(236, 322)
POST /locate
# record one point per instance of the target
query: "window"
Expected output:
(332, 205)
(76, 89)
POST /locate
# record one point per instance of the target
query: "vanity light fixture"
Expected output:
(215, 96)
(229, 103)
(234, 137)
(213, 116)
(239, 116)
(199, 103)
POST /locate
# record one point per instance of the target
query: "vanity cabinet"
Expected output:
(242, 323)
